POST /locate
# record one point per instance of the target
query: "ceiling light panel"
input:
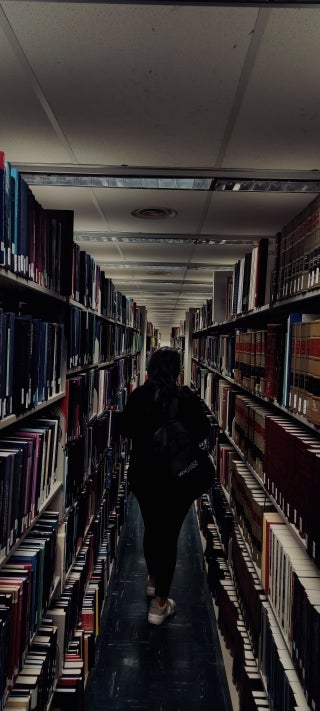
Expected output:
(147, 267)
(136, 238)
(267, 186)
(217, 184)
(179, 254)
(102, 181)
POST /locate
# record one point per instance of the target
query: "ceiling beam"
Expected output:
(212, 3)
(36, 170)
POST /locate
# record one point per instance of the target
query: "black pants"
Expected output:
(163, 518)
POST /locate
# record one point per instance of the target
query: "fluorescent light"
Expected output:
(109, 181)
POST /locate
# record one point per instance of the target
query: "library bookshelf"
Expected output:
(257, 367)
(71, 349)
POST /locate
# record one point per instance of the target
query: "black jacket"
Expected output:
(142, 415)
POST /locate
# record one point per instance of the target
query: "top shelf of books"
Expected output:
(280, 274)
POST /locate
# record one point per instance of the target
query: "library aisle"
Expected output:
(175, 667)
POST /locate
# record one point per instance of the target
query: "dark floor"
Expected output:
(174, 667)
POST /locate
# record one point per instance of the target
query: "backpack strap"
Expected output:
(173, 408)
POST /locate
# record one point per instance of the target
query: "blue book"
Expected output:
(23, 266)
(7, 215)
(10, 329)
(22, 363)
(25, 446)
(7, 522)
(16, 486)
(36, 362)
(5, 629)
(21, 573)
(3, 350)
(31, 555)
(15, 216)
(292, 318)
(2, 206)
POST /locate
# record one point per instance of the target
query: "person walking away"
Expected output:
(162, 506)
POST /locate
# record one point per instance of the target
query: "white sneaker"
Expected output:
(157, 615)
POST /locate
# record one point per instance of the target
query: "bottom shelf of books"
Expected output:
(267, 592)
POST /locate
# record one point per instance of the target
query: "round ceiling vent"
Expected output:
(153, 213)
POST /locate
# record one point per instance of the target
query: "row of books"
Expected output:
(34, 242)
(237, 636)
(152, 331)
(216, 351)
(38, 244)
(285, 676)
(95, 472)
(79, 657)
(251, 278)
(294, 592)
(261, 659)
(92, 469)
(217, 393)
(249, 503)
(177, 336)
(49, 550)
(80, 603)
(277, 668)
(288, 576)
(83, 337)
(259, 360)
(71, 620)
(282, 364)
(153, 338)
(255, 358)
(243, 288)
(26, 584)
(86, 275)
(254, 513)
(202, 317)
(275, 663)
(285, 455)
(63, 612)
(91, 340)
(28, 462)
(35, 682)
(304, 382)
(279, 362)
(90, 393)
(292, 477)
(275, 269)
(117, 306)
(95, 290)
(298, 254)
(263, 677)
(30, 362)
(116, 341)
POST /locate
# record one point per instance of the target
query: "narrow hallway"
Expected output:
(175, 667)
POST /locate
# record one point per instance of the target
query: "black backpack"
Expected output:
(179, 457)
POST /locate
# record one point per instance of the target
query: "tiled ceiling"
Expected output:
(150, 90)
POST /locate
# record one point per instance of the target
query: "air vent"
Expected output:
(153, 213)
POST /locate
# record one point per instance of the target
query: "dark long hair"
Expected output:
(163, 369)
